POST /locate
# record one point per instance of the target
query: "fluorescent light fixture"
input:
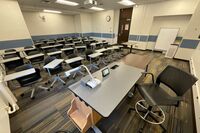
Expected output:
(126, 2)
(66, 2)
(51, 11)
(96, 8)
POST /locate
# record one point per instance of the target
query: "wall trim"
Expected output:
(15, 43)
(188, 43)
(148, 38)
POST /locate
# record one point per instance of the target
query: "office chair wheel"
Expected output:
(48, 89)
(32, 98)
(51, 87)
(22, 95)
(157, 116)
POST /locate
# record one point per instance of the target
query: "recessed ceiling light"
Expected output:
(51, 11)
(96, 8)
(66, 2)
(126, 2)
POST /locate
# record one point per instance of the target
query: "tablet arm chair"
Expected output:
(55, 71)
(58, 55)
(154, 96)
(30, 80)
(13, 64)
(75, 65)
(80, 114)
(93, 61)
(37, 60)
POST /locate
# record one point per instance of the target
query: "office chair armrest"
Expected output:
(152, 76)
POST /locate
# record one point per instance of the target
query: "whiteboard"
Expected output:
(166, 37)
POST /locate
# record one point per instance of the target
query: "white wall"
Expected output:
(142, 17)
(116, 24)
(52, 24)
(77, 22)
(192, 32)
(177, 21)
(99, 23)
(12, 25)
(86, 22)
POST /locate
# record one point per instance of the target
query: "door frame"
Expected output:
(120, 23)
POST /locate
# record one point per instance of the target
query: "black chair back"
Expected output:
(176, 79)
(54, 50)
(74, 64)
(37, 59)
(88, 52)
(29, 79)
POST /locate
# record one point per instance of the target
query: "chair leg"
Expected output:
(74, 75)
(54, 81)
(148, 112)
(61, 80)
(32, 93)
(42, 87)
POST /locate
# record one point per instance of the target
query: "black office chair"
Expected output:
(68, 52)
(154, 96)
(75, 64)
(58, 56)
(36, 60)
(29, 80)
(55, 71)
(13, 64)
(93, 61)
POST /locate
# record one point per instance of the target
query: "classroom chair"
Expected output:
(154, 96)
(37, 60)
(30, 80)
(75, 65)
(93, 61)
(55, 71)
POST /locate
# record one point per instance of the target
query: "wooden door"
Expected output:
(124, 24)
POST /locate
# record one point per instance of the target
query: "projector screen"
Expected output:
(166, 37)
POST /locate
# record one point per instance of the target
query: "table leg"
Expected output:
(131, 48)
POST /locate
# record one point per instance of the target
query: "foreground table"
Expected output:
(106, 97)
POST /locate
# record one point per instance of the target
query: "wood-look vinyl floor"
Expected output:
(48, 112)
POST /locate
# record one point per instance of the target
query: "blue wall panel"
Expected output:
(15, 43)
(187, 43)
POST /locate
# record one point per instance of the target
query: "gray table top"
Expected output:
(106, 97)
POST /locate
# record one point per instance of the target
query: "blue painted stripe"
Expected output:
(143, 38)
(87, 34)
(187, 43)
(55, 36)
(152, 38)
(133, 37)
(103, 35)
(15, 43)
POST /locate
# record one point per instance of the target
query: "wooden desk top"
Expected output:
(139, 61)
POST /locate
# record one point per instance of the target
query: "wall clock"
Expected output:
(108, 18)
